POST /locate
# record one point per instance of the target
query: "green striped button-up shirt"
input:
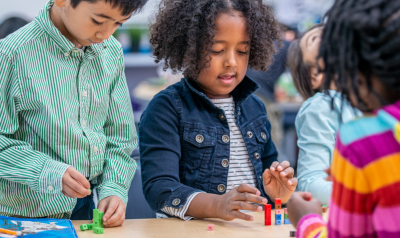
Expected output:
(60, 107)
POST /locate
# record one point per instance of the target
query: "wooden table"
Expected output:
(175, 228)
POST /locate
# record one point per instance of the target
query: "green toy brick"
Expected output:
(97, 218)
(84, 227)
(286, 216)
(90, 226)
(98, 230)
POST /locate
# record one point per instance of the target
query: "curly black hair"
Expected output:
(362, 36)
(183, 33)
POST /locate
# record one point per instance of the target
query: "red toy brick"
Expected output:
(278, 201)
(267, 214)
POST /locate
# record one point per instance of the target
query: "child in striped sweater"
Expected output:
(360, 48)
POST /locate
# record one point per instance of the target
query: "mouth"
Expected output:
(227, 78)
(95, 42)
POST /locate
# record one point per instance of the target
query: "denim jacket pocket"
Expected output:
(198, 143)
(262, 135)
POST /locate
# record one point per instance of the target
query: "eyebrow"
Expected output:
(242, 42)
(107, 17)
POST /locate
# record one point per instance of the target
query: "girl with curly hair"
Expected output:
(361, 49)
(205, 142)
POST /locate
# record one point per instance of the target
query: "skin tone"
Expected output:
(230, 56)
(87, 24)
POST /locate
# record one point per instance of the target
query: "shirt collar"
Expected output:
(239, 94)
(43, 19)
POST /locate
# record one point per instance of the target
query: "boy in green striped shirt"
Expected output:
(66, 122)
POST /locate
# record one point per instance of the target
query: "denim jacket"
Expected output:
(184, 142)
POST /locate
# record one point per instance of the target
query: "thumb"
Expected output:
(267, 177)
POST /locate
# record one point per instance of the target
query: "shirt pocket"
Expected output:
(198, 144)
(262, 136)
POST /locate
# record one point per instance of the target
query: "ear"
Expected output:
(316, 78)
(59, 3)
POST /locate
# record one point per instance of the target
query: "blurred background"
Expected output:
(145, 78)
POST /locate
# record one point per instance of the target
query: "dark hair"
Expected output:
(127, 6)
(301, 72)
(10, 25)
(185, 29)
(362, 36)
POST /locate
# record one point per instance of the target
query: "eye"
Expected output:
(217, 52)
(243, 52)
(96, 22)
(119, 24)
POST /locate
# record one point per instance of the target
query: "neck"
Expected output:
(55, 17)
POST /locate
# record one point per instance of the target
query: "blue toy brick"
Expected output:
(278, 216)
(286, 221)
(278, 222)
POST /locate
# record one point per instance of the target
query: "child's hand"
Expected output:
(298, 206)
(328, 171)
(278, 181)
(74, 184)
(114, 211)
(228, 206)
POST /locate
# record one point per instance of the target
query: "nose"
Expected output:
(230, 61)
(104, 34)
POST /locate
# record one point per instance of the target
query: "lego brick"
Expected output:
(267, 214)
(278, 222)
(278, 211)
(278, 216)
(286, 221)
(324, 209)
(90, 226)
(292, 233)
(285, 211)
(278, 201)
(97, 218)
(98, 230)
(286, 216)
(84, 227)
(210, 227)
(278, 206)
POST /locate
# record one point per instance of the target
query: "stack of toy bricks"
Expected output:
(267, 214)
(97, 225)
(286, 217)
(278, 211)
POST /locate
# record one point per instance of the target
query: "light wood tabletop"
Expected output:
(175, 228)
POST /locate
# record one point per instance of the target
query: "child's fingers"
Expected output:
(304, 195)
(247, 197)
(293, 182)
(72, 192)
(274, 166)
(285, 164)
(240, 205)
(245, 188)
(240, 215)
(77, 187)
(267, 177)
(117, 216)
(80, 178)
(117, 223)
(111, 208)
(288, 173)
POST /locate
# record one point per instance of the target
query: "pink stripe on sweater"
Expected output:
(306, 221)
(387, 219)
(349, 224)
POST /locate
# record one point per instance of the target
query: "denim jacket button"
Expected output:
(225, 163)
(221, 188)
(176, 202)
(263, 136)
(250, 134)
(256, 155)
(225, 138)
(222, 117)
(199, 138)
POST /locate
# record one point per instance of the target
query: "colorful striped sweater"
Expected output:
(365, 199)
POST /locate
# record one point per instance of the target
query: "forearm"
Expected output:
(318, 187)
(204, 205)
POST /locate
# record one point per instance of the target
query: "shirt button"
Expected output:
(260, 178)
(250, 134)
(256, 155)
(50, 188)
(199, 138)
(225, 163)
(239, 113)
(75, 50)
(225, 138)
(83, 123)
(176, 202)
(221, 188)
(222, 117)
(66, 54)
(84, 94)
(263, 136)
(95, 149)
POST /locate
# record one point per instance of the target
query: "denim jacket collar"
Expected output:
(239, 94)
